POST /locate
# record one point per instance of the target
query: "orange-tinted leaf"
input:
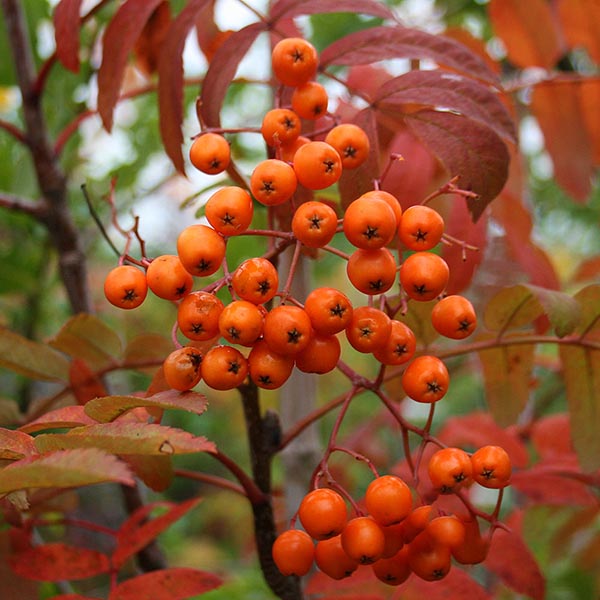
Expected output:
(58, 561)
(507, 377)
(557, 105)
(31, 359)
(382, 43)
(581, 372)
(588, 269)
(148, 45)
(137, 532)
(457, 584)
(155, 471)
(479, 429)
(518, 305)
(511, 560)
(441, 90)
(68, 468)
(127, 438)
(67, 417)
(87, 337)
(475, 44)
(110, 407)
(284, 9)
(590, 100)
(580, 20)
(177, 583)
(222, 69)
(528, 30)
(468, 149)
(170, 81)
(146, 351)
(418, 318)
(15, 444)
(85, 383)
(66, 33)
(13, 586)
(119, 39)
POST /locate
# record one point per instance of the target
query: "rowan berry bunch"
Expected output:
(261, 332)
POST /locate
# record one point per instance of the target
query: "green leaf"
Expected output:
(581, 372)
(31, 359)
(519, 305)
(127, 438)
(68, 468)
(110, 407)
(507, 376)
(87, 337)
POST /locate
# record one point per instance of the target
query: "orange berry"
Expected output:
(421, 227)
(273, 182)
(426, 379)
(309, 101)
(293, 552)
(255, 280)
(224, 368)
(198, 316)
(491, 467)
(210, 153)
(329, 310)
(287, 330)
(229, 210)
(201, 250)
(373, 271)
(280, 126)
(363, 540)
(399, 347)
(294, 61)
(314, 224)
(454, 317)
(125, 286)
(182, 368)
(268, 370)
(424, 275)
(323, 513)
(317, 165)
(369, 223)
(168, 279)
(351, 142)
(449, 469)
(388, 500)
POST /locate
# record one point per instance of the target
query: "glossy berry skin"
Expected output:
(323, 513)
(241, 322)
(314, 224)
(454, 317)
(294, 61)
(421, 228)
(287, 330)
(424, 276)
(224, 368)
(449, 469)
(168, 279)
(369, 329)
(388, 500)
(255, 280)
(428, 560)
(198, 316)
(210, 153)
(393, 570)
(372, 271)
(182, 368)
(293, 552)
(491, 467)
(317, 165)
(229, 210)
(426, 379)
(309, 101)
(363, 540)
(273, 182)
(280, 126)
(268, 370)
(329, 310)
(320, 356)
(351, 142)
(332, 560)
(399, 347)
(447, 530)
(369, 223)
(126, 287)
(474, 548)
(201, 250)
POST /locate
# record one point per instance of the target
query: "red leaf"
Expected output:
(66, 33)
(222, 69)
(447, 91)
(511, 560)
(73, 597)
(381, 43)
(463, 263)
(85, 383)
(178, 583)
(468, 149)
(170, 81)
(558, 107)
(551, 436)
(68, 416)
(148, 46)
(58, 561)
(155, 471)
(136, 533)
(285, 9)
(528, 30)
(119, 39)
(580, 21)
(479, 429)
(457, 584)
(15, 444)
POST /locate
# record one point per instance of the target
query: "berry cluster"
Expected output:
(262, 332)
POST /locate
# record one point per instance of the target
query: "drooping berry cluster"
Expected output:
(262, 332)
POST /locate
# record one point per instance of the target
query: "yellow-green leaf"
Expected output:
(68, 468)
(110, 407)
(31, 359)
(87, 337)
(126, 438)
(519, 305)
(507, 378)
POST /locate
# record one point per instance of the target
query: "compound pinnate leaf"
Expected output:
(138, 531)
(170, 81)
(528, 30)
(285, 9)
(222, 69)
(381, 43)
(68, 468)
(468, 149)
(88, 338)
(519, 305)
(65, 417)
(58, 561)
(110, 407)
(119, 39)
(126, 438)
(31, 359)
(177, 583)
(15, 444)
(580, 20)
(442, 90)
(66, 33)
(507, 379)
